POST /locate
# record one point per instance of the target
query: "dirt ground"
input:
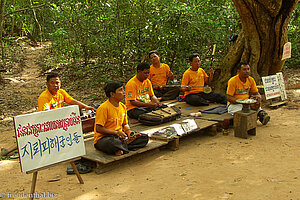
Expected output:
(265, 166)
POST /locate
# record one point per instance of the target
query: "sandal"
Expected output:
(15, 155)
(82, 169)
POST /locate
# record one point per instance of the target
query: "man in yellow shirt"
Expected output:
(159, 75)
(111, 124)
(54, 97)
(139, 95)
(240, 87)
(193, 81)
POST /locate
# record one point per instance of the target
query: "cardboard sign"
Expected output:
(281, 86)
(287, 51)
(48, 137)
(271, 86)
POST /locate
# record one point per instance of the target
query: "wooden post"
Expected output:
(76, 172)
(174, 144)
(33, 184)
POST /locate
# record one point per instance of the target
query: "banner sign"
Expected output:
(287, 51)
(271, 86)
(48, 137)
(281, 86)
(274, 86)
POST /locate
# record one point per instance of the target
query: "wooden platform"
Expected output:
(103, 158)
(207, 123)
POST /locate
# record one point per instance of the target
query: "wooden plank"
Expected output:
(95, 155)
(216, 117)
(280, 103)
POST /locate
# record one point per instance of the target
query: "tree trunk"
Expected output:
(2, 6)
(261, 40)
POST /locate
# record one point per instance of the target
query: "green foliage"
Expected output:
(116, 35)
(294, 38)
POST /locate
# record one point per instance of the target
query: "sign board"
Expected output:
(271, 86)
(287, 51)
(281, 86)
(48, 137)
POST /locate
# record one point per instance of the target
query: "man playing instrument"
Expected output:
(54, 97)
(112, 132)
(193, 81)
(240, 87)
(159, 75)
(139, 95)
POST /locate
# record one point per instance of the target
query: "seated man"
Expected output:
(139, 95)
(54, 97)
(239, 87)
(193, 81)
(112, 132)
(159, 75)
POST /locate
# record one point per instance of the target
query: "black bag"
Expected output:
(160, 116)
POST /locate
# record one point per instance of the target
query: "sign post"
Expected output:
(274, 87)
(47, 138)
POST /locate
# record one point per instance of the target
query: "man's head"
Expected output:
(53, 83)
(195, 61)
(243, 70)
(154, 56)
(143, 71)
(115, 90)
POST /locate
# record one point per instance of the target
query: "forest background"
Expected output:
(93, 42)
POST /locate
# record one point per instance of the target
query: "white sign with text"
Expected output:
(49, 137)
(271, 86)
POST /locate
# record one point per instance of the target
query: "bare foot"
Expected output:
(119, 152)
(159, 99)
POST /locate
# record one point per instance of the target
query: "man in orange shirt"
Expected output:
(193, 81)
(240, 87)
(159, 75)
(111, 124)
(54, 97)
(139, 95)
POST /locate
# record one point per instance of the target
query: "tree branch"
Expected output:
(24, 9)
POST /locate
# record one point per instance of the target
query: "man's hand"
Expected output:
(121, 135)
(186, 88)
(157, 87)
(170, 75)
(257, 97)
(152, 105)
(211, 71)
(90, 108)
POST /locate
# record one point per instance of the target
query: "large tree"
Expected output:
(261, 39)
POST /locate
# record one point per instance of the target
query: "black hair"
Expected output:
(51, 75)
(153, 51)
(239, 65)
(191, 57)
(112, 87)
(142, 66)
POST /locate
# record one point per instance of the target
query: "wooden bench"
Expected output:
(207, 122)
(102, 158)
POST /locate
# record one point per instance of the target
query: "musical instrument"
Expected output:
(246, 104)
(206, 89)
(160, 116)
(87, 122)
(133, 135)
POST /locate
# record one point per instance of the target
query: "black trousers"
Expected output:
(201, 98)
(167, 93)
(136, 112)
(112, 144)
